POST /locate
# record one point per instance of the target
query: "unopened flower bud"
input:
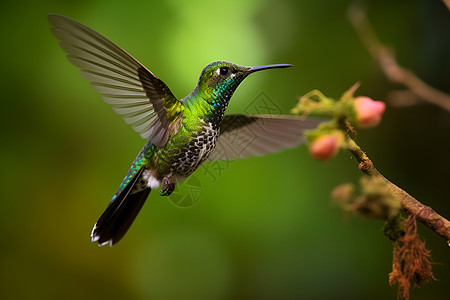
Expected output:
(368, 111)
(326, 146)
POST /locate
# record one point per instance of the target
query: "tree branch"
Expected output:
(423, 213)
(388, 63)
(447, 3)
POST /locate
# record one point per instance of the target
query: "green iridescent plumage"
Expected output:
(180, 134)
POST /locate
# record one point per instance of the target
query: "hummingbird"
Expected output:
(181, 134)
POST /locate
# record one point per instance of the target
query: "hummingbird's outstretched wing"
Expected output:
(143, 100)
(242, 136)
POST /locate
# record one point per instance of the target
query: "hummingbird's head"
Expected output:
(220, 79)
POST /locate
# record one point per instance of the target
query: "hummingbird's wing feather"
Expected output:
(143, 100)
(242, 136)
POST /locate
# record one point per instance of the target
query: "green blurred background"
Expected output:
(264, 228)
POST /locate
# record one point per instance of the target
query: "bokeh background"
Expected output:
(262, 228)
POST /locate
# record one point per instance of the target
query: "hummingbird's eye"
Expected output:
(223, 71)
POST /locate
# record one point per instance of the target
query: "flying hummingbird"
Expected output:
(180, 134)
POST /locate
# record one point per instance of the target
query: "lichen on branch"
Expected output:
(341, 114)
(411, 263)
(379, 197)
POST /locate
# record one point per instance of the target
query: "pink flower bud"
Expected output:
(368, 111)
(326, 146)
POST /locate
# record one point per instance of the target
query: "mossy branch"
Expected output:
(411, 205)
(363, 112)
(380, 198)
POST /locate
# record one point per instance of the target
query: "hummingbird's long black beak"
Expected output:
(260, 68)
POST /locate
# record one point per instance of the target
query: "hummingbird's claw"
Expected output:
(168, 187)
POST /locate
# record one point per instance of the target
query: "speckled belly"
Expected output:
(189, 158)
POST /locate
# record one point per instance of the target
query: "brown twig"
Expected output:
(388, 63)
(447, 3)
(423, 213)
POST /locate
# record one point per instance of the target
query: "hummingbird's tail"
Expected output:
(120, 213)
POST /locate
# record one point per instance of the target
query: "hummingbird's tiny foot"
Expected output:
(168, 187)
